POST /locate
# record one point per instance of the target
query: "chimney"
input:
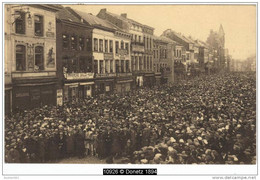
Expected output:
(104, 10)
(124, 15)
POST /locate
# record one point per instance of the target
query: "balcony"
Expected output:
(73, 76)
(122, 52)
(106, 75)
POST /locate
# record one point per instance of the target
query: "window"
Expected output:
(95, 44)
(145, 62)
(20, 58)
(127, 48)
(111, 66)
(95, 66)
(140, 63)
(107, 66)
(65, 41)
(122, 44)
(101, 66)
(144, 43)
(88, 44)
(89, 64)
(111, 46)
(39, 60)
(20, 23)
(73, 65)
(117, 47)
(151, 64)
(73, 42)
(127, 66)
(117, 66)
(38, 25)
(106, 46)
(122, 66)
(135, 38)
(139, 38)
(82, 64)
(81, 43)
(100, 45)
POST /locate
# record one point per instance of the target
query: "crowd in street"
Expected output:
(206, 120)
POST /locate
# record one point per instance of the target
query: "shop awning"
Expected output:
(72, 84)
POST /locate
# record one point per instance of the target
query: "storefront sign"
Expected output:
(71, 76)
(59, 97)
(108, 56)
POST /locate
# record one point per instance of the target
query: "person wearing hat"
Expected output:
(70, 144)
(41, 147)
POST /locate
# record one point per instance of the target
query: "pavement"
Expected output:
(85, 160)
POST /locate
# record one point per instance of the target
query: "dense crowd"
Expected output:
(206, 120)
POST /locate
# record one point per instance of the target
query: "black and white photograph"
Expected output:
(120, 85)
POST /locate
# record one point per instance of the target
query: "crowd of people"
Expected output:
(206, 120)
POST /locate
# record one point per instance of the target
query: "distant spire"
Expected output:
(221, 30)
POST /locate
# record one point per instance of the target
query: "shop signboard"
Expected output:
(72, 76)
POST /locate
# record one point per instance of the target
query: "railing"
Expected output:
(122, 52)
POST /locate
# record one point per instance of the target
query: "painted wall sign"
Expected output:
(51, 58)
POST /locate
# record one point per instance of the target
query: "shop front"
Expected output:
(149, 79)
(28, 96)
(123, 86)
(79, 90)
(104, 86)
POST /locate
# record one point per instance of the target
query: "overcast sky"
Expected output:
(238, 21)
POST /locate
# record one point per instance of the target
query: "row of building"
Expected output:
(55, 54)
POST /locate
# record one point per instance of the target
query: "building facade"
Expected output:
(163, 59)
(74, 57)
(111, 54)
(31, 55)
(141, 46)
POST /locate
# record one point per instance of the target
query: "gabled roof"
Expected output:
(64, 14)
(95, 21)
(127, 20)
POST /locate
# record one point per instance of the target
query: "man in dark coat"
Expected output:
(80, 146)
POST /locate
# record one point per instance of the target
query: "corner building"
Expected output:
(30, 59)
